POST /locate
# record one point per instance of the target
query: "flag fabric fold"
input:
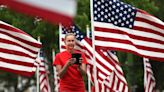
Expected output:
(107, 64)
(120, 26)
(18, 50)
(51, 10)
(43, 74)
(149, 79)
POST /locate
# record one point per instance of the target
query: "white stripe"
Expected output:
(102, 76)
(42, 69)
(102, 69)
(102, 60)
(41, 77)
(121, 85)
(1, 22)
(16, 48)
(147, 80)
(129, 47)
(152, 86)
(17, 58)
(129, 31)
(98, 56)
(111, 59)
(147, 64)
(113, 56)
(24, 37)
(20, 68)
(118, 67)
(53, 5)
(149, 70)
(126, 89)
(121, 77)
(134, 41)
(150, 18)
(20, 35)
(42, 84)
(111, 79)
(115, 82)
(149, 26)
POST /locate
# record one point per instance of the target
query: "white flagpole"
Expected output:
(37, 72)
(88, 31)
(60, 32)
(89, 79)
(88, 68)
(55, 73)
(93, 45)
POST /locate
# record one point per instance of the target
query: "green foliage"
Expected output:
(160, 12)
(147, 5)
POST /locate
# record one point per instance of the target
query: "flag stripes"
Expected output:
(149, 80)
(43, 74)
(115, 84)
(106, 63)
(18, 50)
(128, 29)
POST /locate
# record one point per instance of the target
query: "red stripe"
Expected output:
(124, 86)
(150, 22)
(15, 62)
(111, 62)
(105, 57)
(100, 71)
(118, 84)
(44, 82)
(99, 62)
(14, 43)
(127, 50)
(13, 29)
(104, 66)
(144, 12)
(112, 80)
(24, 73)
(148, 30)
(63, 47)
(50, 16)
(130, 35)
(130, 43)
(22, 40)
(112, 58)
(12, 52)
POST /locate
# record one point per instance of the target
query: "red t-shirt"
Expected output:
(72, 80)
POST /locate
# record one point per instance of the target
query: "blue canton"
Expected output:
(115, 12)
(73, 29)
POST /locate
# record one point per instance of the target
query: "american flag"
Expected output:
(106, 63)
(114, 84)
(18, 50)
(43, 74)
(103, 63)
(149, 79)
(115, 81)
(120, 26)
(51, 10)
